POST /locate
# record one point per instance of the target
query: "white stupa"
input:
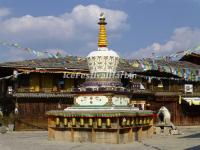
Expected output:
(103, 60)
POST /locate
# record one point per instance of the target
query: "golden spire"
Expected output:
(102, 42)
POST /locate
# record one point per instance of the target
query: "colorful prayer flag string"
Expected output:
(32, 51)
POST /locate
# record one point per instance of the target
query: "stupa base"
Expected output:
(100, 126)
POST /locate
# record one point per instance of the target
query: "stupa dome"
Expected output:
(102, 60)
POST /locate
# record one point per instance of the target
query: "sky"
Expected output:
(135, 29)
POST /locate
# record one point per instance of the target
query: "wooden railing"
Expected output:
(149, 89)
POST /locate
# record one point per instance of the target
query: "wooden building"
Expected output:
(30, 88)
(166, 84)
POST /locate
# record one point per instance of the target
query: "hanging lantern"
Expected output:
(16, 108)
(1, 113)
(15, 74)
(65, 121)
(59, 104)
(81, 122)
(149, 79)
(90, 122)
(73, 121)
(160, 85)
(16, 111)
(57, 121)
(108, 124)
(10, 90)
(99, 122)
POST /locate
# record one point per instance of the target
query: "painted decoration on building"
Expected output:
(120, 100)
(91, 100)
(188, 88)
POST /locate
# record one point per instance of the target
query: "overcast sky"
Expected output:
(136, 28)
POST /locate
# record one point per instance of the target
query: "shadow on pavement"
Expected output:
(197, 135)
(194, 148)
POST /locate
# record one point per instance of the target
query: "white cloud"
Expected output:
(67, 30)
(30, 28)
(63, 27)
(87, 16)
(4, 12)
(183, 38)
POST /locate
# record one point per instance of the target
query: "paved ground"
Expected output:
(190, 140)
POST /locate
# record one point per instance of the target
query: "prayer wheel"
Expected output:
(148, 120)
(137, 121)
(65, 121)
(81, 122)
(144, 120)
(90, 122)
(140, 120)
(133, 121)
(73, 121)
(57, 121)
(108, 122)
(99, 122)
(128, 121)
(123, 123)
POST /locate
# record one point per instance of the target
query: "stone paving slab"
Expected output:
(37, 140)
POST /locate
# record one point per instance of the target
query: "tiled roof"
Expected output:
(175, 64)
(182, 69)
(43, 95)
(69, 62)
(193, 57)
